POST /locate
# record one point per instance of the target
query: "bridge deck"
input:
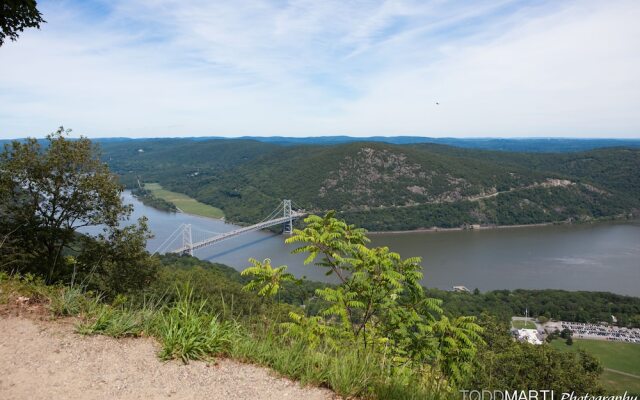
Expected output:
(227, 235)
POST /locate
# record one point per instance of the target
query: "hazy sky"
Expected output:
(323, 67)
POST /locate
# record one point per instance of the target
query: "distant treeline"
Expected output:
(579, 306)
(537, 145)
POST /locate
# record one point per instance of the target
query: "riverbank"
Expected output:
(184, 203)
(517, 226)
(474, 228)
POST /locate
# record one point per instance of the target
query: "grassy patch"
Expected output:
(70, 300)
(184, 202)
(616, 382)
(624, 357)
(119, 321)
(520, 324)
(189, 333)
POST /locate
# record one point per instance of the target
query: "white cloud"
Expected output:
(187, 68)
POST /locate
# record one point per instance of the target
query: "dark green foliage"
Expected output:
(47, 193)
(550, 303)
(15, 16)
(118, 262)
(389, 187)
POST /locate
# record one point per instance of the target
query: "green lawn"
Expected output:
(184, 203)
(624, 357)
(617, 383)
(520, 324)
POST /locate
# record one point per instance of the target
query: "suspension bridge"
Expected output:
(282, 215)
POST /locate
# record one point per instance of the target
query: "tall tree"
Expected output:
(48, 192)
(16, 15)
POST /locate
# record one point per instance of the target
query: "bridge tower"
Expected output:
(287, 227)
(187, 243)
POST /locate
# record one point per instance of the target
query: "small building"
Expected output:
(461, 289)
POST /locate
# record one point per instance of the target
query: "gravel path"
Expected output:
(46, 360)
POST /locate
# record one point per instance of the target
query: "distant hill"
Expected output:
(385, 186)
(538, 145)
(535, 145)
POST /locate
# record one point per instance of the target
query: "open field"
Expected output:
(615, 382)
(618, 359)
(521, 324)
(184, 203)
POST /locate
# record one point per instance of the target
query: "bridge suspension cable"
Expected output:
(288, 215)
(167, 242)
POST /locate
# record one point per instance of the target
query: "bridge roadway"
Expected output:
(240, 231)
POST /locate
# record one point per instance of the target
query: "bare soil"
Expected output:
(43, 359)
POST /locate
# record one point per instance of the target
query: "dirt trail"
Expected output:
(46, 360)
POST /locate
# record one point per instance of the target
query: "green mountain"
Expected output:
(389, 187)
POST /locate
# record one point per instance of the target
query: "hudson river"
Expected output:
(598, 257)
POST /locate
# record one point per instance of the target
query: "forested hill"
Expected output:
(388, 187)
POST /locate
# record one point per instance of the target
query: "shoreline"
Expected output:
(459, 229)
(494, 227)
(200, 216)
(429, 230)
(177, 210)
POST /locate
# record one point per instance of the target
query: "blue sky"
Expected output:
(150, 68)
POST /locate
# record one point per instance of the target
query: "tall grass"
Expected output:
(189, 333)
(119, 321)
(348, 372)
(71, 300)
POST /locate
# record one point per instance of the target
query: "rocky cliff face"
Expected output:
(381, 178)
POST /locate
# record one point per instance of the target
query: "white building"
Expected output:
(529, 335)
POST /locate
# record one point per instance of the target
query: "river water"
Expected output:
(598, 257)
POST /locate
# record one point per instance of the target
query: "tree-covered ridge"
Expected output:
(382, 186)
